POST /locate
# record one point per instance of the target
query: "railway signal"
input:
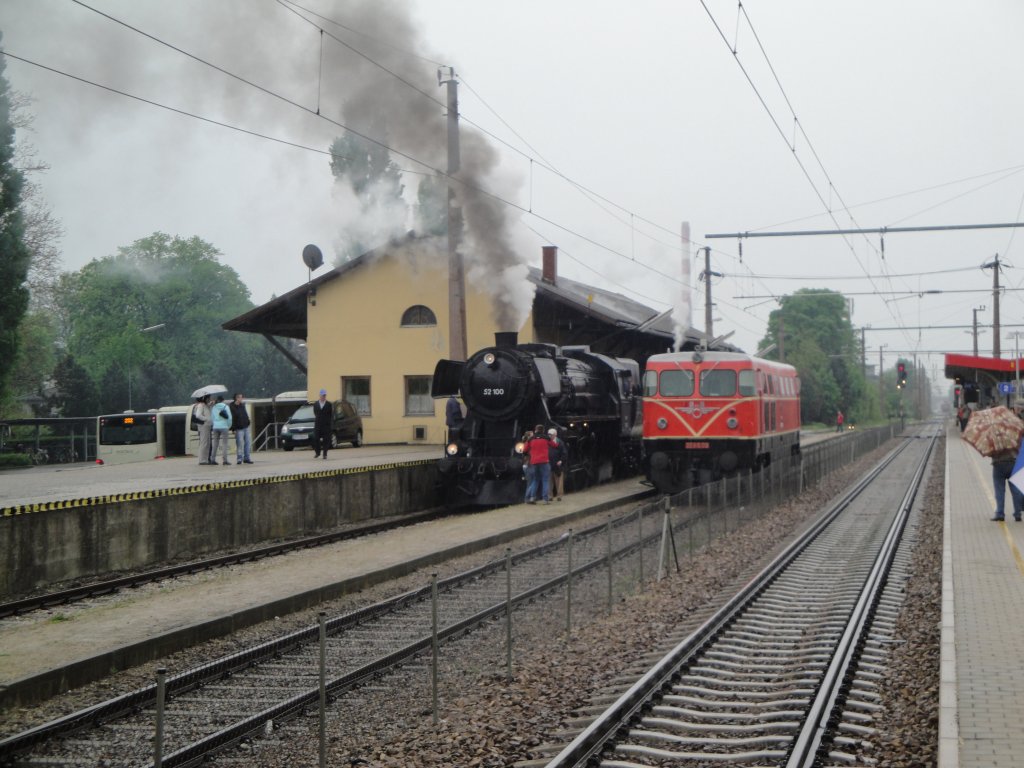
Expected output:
(901, 375)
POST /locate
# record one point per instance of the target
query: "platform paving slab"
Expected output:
(981, 715)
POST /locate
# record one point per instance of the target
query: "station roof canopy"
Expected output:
(285, 316)
(971, 368)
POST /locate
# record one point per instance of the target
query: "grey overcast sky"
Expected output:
(913, 110)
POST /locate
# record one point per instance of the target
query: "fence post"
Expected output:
(161, 697)
(568, 586)
(323, 689)
(508, 614)
(640, 540)
(433, 644)
(609, 556)
(663, 545)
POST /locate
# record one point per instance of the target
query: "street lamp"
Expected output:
(156, 327)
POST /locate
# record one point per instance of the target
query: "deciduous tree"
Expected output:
(14, 254)
(820, 342)
(112, 309)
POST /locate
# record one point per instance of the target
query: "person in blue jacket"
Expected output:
(221, 425)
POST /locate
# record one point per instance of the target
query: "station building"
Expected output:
(376, 326)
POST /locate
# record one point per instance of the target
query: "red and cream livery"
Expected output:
(707, 414)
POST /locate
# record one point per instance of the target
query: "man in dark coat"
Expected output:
(322, 426)
(453, 417)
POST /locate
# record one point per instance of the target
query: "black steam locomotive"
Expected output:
(592, 400)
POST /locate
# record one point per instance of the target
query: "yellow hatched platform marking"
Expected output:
(49, 506)
(1018, 559)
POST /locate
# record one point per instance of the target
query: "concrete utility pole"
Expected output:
(994, 266)
(782, 339)
(706, 275)
(457, 343)
(974, 326)
(917, 389)
(863, 354)
(881, 387)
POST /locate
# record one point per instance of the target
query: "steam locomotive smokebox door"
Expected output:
(549, 378)
(447, 374)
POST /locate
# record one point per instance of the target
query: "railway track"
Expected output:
(786, 673)
(212, 707)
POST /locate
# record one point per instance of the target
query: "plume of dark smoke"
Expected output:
(377, 103)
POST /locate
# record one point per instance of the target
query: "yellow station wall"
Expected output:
(354, 329)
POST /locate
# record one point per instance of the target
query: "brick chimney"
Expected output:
(549, 270)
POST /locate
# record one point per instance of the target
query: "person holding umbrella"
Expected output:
(996, 433)
(1003, 465)
(201, 416)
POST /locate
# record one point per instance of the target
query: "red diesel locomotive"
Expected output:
(707, 414)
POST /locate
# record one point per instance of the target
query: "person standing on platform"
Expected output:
(322, 426)
(1003, 466)
(453, 417)
(839, 421)
(558, 458)
(539, 475)
(243, 431)
(201, 417)
(221, 424)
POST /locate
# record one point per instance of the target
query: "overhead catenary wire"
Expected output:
(366, 137)
(542, 162)
(791, 145)
(296, 145)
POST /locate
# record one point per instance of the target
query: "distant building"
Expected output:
(376, 326)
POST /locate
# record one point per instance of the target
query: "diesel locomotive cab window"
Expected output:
(748, 384)
(650, 383)
(718, 383)
(676, 383)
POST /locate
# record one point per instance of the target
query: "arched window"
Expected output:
(418, 315)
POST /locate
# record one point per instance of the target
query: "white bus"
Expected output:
(141, 435)
(167, 432)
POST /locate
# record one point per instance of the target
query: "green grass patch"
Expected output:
(15, 460)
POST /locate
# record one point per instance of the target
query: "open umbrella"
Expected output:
(994, 430)
(209, 389)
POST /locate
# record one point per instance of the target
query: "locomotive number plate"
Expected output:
(695, 446)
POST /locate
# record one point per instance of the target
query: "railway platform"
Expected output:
(42, 657)
(52, 485)
(981, 720)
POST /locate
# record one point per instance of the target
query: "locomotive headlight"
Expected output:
(489, 358)
(732, 422)
(520, 447)
(662, 423)
(452, 449)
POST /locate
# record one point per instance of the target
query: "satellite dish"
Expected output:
(312, 257)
